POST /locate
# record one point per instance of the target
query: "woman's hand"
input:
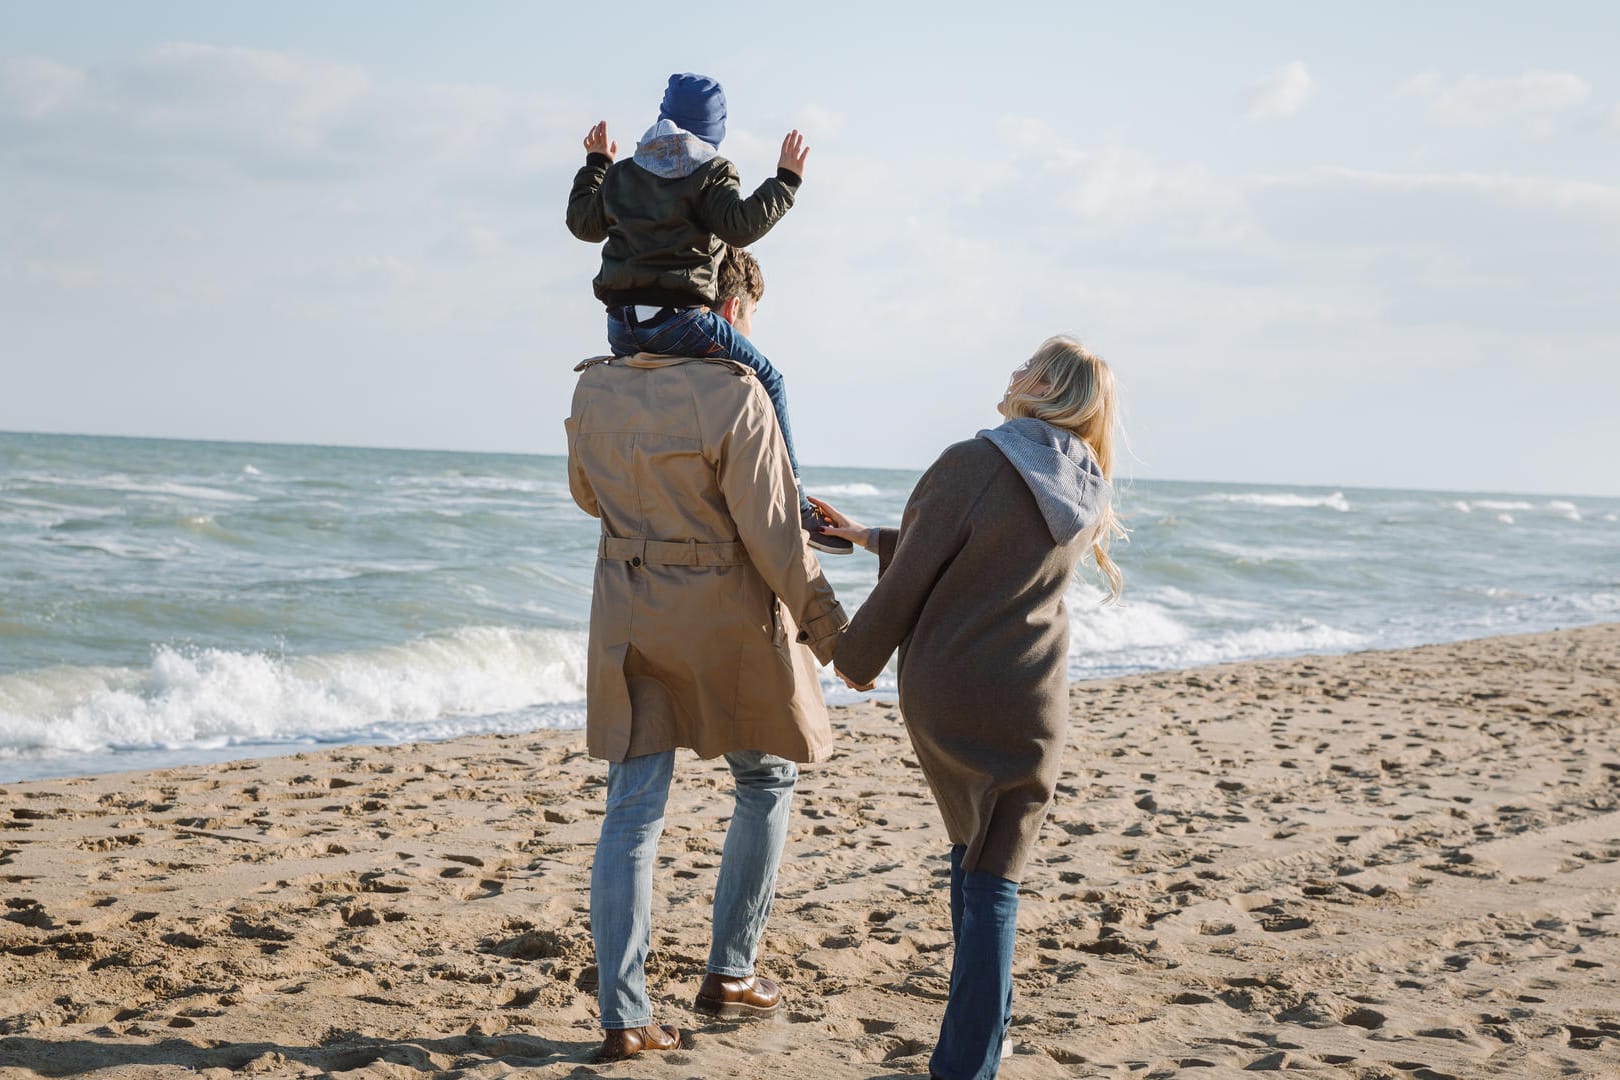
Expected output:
(851, 682)
(596, 141)
(839, 524)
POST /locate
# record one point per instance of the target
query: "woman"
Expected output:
(970, 589)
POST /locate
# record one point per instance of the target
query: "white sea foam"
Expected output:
(213, 697)
(1493, 592)
(516, 484)
(121, 483)
(836, 693)
(1335, 501)
(135, 550)
(1276, 639)
(108, 551)
(1505, 507)
(184, 491)
(857, 490)
(1264, 553)
(1506, 519)
(1598, 603)
(1115, 628)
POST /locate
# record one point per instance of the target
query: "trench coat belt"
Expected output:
(638, 551)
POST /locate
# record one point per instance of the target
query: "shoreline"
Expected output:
(214, 757)
(1353, 865)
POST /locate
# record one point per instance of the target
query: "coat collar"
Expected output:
(657, 360)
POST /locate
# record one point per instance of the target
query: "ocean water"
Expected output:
(165, 602)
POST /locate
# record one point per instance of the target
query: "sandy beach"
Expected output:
(1385, 864)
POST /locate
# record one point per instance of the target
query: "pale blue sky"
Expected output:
(1374, 245)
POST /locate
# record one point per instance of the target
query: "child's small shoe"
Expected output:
(812, 522)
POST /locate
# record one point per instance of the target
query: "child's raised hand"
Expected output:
(596, 141)
(794, 153)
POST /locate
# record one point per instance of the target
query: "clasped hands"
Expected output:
(841, 524)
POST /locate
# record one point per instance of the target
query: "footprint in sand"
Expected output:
(1363, 1017)
(486, 889)
(26, 911)
(376, 882)
(358, 917)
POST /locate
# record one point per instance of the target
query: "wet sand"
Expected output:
(1386, 864)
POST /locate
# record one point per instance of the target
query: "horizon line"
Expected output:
(880, 468)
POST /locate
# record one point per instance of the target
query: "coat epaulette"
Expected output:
(737, 366)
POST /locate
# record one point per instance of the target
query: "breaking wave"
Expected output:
(434, 687)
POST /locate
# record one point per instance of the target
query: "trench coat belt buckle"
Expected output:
(638, 551)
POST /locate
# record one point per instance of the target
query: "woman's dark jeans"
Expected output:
(984, 924)
(700, 332)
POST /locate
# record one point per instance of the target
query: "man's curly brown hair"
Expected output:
(739, 276)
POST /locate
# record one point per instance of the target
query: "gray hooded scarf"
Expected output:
(1061, 473)
(672, 152)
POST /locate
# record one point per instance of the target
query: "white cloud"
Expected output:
(1108, 185)
(1284, 92)
(1479, 100)
(1528, 259)
(60, 275)
(188, 111)
(379, 238)
(472, 241)
(1598, 202)
(1122, 183)
(33, 86)
(286, 100)
(818, 121)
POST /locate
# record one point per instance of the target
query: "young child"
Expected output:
(667, 214)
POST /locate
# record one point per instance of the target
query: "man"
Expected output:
(707, 616)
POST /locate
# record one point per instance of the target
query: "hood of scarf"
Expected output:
(671, 152)
(1061, 473)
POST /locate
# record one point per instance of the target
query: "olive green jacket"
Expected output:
(666, 236)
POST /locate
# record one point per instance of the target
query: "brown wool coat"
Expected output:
(708, 612)
(970, 590)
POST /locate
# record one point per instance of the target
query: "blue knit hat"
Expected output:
(696, 103)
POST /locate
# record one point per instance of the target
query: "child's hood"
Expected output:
(671, 152)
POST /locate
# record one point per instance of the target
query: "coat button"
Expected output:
(804, 635)
(636, 561)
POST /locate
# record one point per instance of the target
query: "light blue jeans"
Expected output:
(622, 874)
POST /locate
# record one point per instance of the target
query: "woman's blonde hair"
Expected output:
(1072, 388)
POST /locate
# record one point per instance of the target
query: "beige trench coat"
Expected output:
(708, 611)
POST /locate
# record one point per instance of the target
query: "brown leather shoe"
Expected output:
(730, 998)
(620, 1043)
